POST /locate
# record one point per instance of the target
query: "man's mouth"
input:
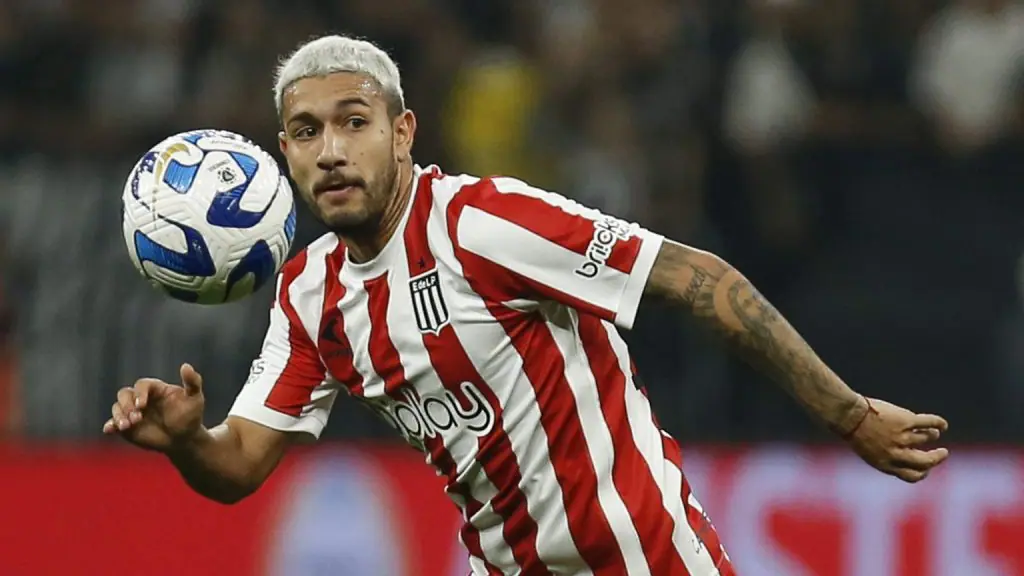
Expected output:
(335, 188)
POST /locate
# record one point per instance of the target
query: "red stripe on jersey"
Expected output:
(671, 450)
(421, 259)
(697, 521)
(705, 531)
(303, 371)
(567, 448)
(383, 355)
(501, 284)
(630, 474)
(504, 285)
(443, 460)
(335, 348)
(470, 536)
(552, 223)
(387, 363)
(453, 366)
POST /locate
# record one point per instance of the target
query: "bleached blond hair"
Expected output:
(332, 54)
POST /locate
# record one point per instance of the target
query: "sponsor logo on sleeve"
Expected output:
(608, 231)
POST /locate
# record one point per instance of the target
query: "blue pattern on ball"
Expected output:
(226, 209)
(259, 262)
(145, 165)
(196, 261)
(196, 135)
(180, 177)
(290, 225)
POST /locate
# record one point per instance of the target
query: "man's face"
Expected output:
(344, 147)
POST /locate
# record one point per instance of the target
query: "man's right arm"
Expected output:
(286, 400)
(230, 461)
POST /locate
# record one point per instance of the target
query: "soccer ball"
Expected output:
(208, 216)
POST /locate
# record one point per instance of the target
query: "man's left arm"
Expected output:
(720, 297)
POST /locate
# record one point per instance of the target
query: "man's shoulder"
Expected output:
(445, 185)
(316, 250)
(448, 185)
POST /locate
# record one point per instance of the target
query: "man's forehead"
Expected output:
(317, 91)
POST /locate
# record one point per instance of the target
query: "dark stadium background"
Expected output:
(861, 160)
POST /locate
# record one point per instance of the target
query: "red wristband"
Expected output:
(870, 410)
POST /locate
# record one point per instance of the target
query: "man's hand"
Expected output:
(156, 415)
(892, 440)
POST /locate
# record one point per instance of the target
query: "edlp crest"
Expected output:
(428, 302)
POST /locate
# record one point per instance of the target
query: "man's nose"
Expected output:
(334, 151)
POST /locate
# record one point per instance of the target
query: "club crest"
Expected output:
(428, 302)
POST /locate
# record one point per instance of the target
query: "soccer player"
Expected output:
(479, 317)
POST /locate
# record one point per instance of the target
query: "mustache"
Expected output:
(337, 181)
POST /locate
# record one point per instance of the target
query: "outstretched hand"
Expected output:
(156, 415)
(894, 440)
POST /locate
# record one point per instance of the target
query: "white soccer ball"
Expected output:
(208, 216)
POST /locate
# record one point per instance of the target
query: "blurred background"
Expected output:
(861, 161)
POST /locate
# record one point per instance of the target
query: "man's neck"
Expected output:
(366, 247)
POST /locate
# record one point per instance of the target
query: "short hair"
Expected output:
(332, 54)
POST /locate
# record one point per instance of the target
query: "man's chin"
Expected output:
(344, 221)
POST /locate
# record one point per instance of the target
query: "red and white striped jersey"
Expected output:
(485, 333)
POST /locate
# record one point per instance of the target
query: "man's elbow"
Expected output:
(229, 493)
(687, 275)
(231, 498)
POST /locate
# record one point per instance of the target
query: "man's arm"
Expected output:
(229, 462)
(285, 401)
(720, 297)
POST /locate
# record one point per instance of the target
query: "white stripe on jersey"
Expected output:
(536, 257)
(489, 525)
(636, 281)
(357, 329)
(462, 447)
(668, 478)
(307, 292)
(306, 288)
(565, 329)
(503, 365)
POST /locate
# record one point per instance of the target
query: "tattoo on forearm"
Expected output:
(673, 263)
(700, 278)
(723, 299)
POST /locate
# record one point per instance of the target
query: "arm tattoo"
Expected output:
(723, 299)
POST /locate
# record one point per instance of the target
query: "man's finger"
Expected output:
(118, 417)
(921, 436)
(922, 460)
(129, 402)
(109, 427)
(929, 421)
(191, 380)
(145, 389)
(911, 476)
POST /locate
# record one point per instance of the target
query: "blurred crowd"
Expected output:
(860, 160)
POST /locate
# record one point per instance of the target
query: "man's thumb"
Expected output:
(191, 380)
